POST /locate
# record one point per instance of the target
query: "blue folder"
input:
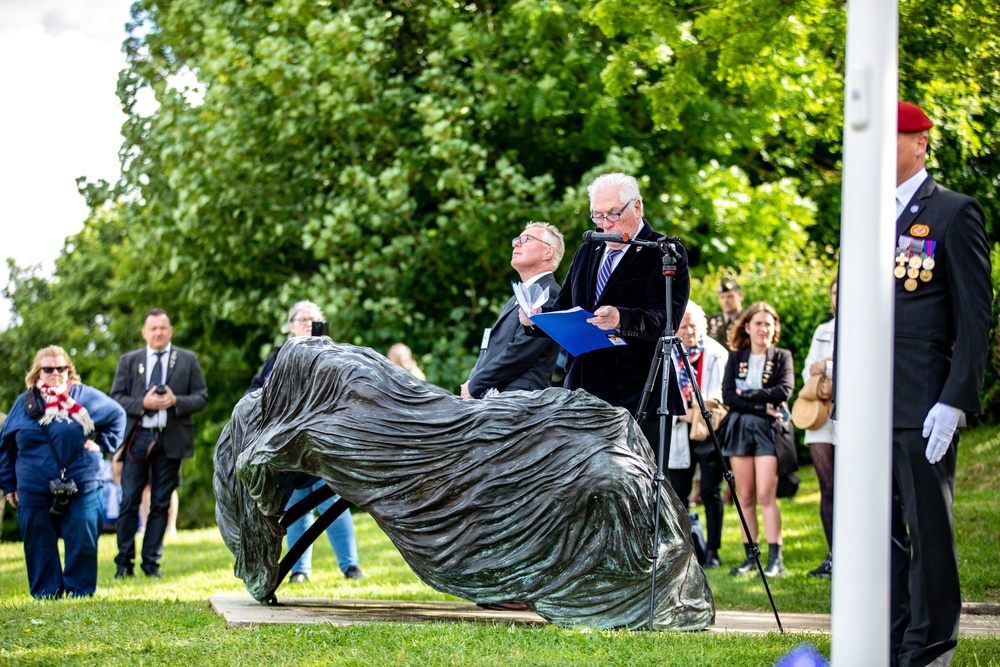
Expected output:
(570, 329)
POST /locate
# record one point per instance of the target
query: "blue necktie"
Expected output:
(605, 273)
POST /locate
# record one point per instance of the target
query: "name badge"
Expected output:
(486, 338)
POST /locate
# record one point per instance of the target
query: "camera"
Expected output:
(160, 389)
(61, 492)
(320, 328)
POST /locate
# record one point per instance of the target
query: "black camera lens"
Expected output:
(161, 389)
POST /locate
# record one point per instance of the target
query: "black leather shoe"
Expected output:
(123, 572)
(156, 574)
(712, 562)
(354, 572)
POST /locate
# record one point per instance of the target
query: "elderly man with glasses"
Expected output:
(509, 359)
(623, 285)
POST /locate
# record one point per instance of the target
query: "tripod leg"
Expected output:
(728, 476)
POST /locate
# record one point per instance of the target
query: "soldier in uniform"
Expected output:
(943, 311)
(731, 303)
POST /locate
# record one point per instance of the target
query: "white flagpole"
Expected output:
(863, 475)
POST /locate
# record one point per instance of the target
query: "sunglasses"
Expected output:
(55, 369)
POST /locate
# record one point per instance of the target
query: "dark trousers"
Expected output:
(161, 473)
(711, 492)
(925, 599)
(79, 529)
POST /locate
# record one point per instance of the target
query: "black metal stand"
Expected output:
(666, 343)
(296, 512)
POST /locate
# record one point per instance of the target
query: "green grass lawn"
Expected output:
(167, 621)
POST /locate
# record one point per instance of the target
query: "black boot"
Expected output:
(746, 565)
(775, 564)
(712, 560)
(825, 569)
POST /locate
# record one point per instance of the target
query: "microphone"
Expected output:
(599, 237)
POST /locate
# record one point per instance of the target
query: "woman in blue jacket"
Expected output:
(52, 443)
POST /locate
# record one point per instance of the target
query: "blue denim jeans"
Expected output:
(79, 529)
(340, 533)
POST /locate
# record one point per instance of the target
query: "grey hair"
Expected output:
(553, 237)
(297, 308)
(697, 314)
(627, 186)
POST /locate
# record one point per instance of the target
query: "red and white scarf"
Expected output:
(59, 406)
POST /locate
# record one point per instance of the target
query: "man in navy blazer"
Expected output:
(942, 322)
(160, 386)
(510, 359)
(631, 299)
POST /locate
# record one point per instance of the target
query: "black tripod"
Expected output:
(667, 342)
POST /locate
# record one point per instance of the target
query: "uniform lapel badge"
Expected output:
(142, 369)
(173, 358)
(914, 208)
(920, 231)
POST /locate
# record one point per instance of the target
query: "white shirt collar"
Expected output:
(534, 279)
(908, 188)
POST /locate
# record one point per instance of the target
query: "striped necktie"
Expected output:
(605, 273)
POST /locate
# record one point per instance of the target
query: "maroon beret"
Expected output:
(911, 118)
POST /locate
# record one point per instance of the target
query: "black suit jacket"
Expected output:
(779, 381)
(185, 379)
(942, 327)
(514, 360)
(637, 288)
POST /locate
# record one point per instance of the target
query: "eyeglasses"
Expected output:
(610, 217)
(303, 320)
(54, 369)
(524, 238)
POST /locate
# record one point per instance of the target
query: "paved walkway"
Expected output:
(242, 611)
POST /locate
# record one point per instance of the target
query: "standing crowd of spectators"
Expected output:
(57, 433)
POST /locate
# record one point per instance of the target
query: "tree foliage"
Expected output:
(376, 157)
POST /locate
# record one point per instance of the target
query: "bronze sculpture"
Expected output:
(541, 497)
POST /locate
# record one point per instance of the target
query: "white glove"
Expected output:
(939, 428)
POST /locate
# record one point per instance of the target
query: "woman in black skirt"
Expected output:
(759, 379)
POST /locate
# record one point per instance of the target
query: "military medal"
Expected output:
(928, 263)
(915, 262)
(926, 276)
(910, 284)
(912, 273)
(899, 271)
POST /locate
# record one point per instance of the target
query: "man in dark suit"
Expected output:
(623, 285)
(731, 304)
(160, 387)
(943, 310)
(510, 359)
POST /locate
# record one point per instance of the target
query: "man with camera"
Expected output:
(160, 386)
